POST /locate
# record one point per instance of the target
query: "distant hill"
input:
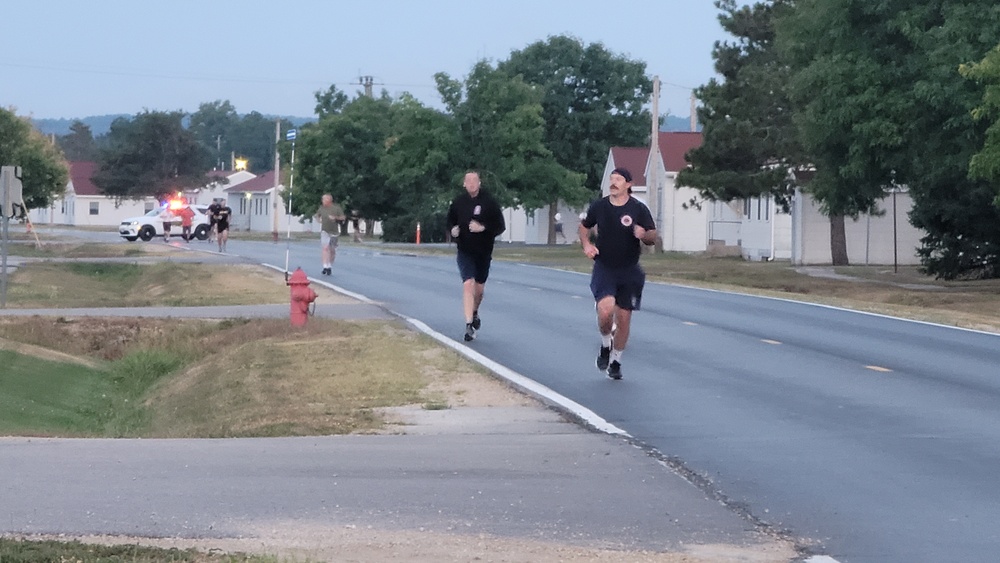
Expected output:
(101, 124)
(676, 123)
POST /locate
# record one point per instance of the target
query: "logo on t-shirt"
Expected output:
(627, 220)
(477, 210)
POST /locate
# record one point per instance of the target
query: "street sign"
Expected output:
(290, 135)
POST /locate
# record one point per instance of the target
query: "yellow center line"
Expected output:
(879, 369)
(768, 341)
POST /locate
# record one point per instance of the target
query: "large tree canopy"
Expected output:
(986, 163)
(750, 142)
(340, 155)
(43, 170)
(151, 155)
(502, 134)
(592, 99)
(79, 143)
(224, 133)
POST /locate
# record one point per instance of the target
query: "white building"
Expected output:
(685, 221)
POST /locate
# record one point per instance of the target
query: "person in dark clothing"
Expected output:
(213, 210)
(474, 220)
(222, 216)
(617, 279)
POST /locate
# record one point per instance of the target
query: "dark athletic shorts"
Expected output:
(474, 266)
(625, 284)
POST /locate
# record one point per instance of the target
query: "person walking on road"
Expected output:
(330, 215)
(559, 228)
(187, 217)
(617, 279)
(222, 216)
(474, 221)
(213, 211)
(167, 216)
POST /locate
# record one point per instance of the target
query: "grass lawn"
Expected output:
(48, 551)
(41, 397)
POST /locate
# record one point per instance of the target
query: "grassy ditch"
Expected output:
(113, 284)
(166, 378)
(13, 550)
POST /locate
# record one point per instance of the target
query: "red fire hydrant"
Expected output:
(302, 296)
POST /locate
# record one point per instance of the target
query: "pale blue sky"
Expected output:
(66, 58)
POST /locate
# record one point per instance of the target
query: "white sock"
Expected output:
(606, 340)
(616, 355)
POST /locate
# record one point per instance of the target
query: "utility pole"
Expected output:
(368, 82)
(694, 114)
(654, 191)
(277, 176)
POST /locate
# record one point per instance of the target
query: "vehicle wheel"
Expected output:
(131, 239)
(147, 233)
(201, 232)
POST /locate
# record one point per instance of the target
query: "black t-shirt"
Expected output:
(615, 237)
(222, 216)
(213, 210)
(482, 208)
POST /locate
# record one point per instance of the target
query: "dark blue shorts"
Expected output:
(474, 266)
(625, 284)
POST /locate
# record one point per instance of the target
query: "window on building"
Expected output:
(95, 208)
(746, 208)
(147, 207)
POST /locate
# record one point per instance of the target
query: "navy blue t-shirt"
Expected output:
(615, 237)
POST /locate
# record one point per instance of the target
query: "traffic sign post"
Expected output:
(290, 135)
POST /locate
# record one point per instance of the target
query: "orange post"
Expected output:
(418, 233)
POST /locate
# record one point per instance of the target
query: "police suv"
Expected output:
(150, 225)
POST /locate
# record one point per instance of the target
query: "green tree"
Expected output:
(340, 155)
(78, 144)
(848, 61)
(985, 164)
(44, 172)
(592, 99)
(212, 125)
(420, 163)
(330, 101)
(151, 154)
(749, 140)
(223, 132)
(502, 133)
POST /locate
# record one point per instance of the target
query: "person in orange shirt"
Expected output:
(187, 216)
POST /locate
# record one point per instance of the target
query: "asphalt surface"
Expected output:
(511, 472)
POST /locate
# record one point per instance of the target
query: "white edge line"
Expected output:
(821, 559)
(528, 385)
(336, 288)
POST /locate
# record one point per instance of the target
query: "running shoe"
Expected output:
(615, 370)
(470, 332)
(476, 323)
(603, 358)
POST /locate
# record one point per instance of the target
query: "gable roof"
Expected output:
(674, 145)
(633, 158)
(80, 174)
(259, 184)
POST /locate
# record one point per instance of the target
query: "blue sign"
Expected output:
(290, 135)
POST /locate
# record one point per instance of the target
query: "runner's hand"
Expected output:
(476, 226)
(454, 232)
(639, 232)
